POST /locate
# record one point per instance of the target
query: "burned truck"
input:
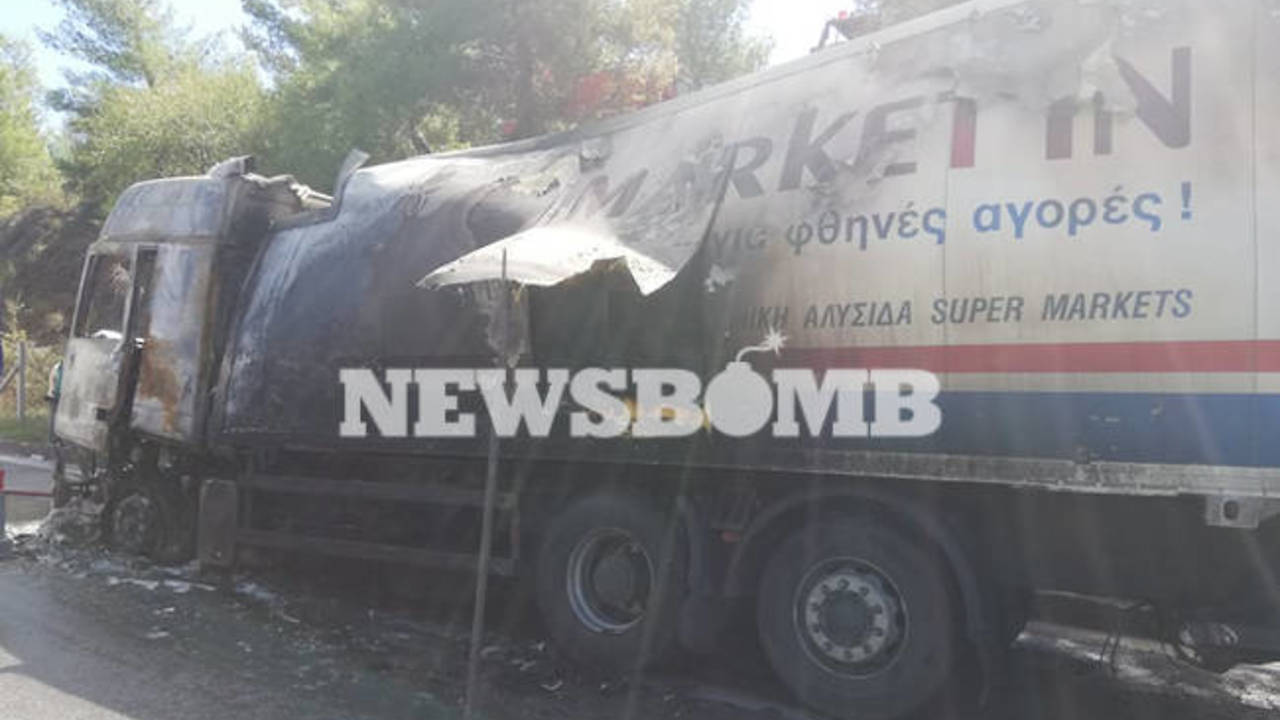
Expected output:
(875, 344)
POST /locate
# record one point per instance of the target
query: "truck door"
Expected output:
(100, 349)
(171, 331)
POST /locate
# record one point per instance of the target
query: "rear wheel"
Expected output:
(855, 616)
(610, 582)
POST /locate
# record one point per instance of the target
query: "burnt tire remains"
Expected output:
(149, 519)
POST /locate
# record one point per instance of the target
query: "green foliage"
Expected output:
(364, 74)
(156, 103)
(126, 41)
(393, 77)
(40, 362)
(41, 255)
(182, 125)
(396, 78)
(712, 44)
(27, 174)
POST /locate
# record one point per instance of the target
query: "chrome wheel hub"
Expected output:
(850, 617)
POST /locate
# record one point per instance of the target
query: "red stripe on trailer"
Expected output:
(1155, 357)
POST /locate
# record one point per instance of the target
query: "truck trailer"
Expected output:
(876, 344)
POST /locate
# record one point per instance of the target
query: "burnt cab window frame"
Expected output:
(92, 276)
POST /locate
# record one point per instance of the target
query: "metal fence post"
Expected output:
(22, 381)
(4, 534)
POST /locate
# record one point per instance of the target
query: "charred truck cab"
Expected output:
(156, 297)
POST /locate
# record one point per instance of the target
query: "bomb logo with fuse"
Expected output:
(739, 401)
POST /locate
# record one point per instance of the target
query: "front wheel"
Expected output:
(148, 519)
(610, 582)
(855, 617)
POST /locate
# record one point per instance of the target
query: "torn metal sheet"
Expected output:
(653, 243)
(548, 255)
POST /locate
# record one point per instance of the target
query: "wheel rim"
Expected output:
(609, 578)
(133, 523)
(850, 617)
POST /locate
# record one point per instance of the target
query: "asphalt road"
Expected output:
(86, 634)
(101, 637)
(82, 648)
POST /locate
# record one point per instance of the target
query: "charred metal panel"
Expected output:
(168, 401)
(90, 380)
(90, 385)
(170, 208)
(343, 292)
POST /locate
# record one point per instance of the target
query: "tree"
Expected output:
(712, 44)
(387, 78)
(183, 125)
(653, 49)
(396, 78)
(27, 173)
(870, 15)
(128, 42)
(156, 102)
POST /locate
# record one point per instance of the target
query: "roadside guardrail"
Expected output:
(4, 493)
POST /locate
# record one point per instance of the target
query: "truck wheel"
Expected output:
(132, 521)
(148, 520)
(855, 617)
(607, 594)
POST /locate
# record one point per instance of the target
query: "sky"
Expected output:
(794, 25)
(22, 17)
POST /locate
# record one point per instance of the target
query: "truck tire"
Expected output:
(855, 616)
(609, 599)
(147, 519)
(131, 522)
